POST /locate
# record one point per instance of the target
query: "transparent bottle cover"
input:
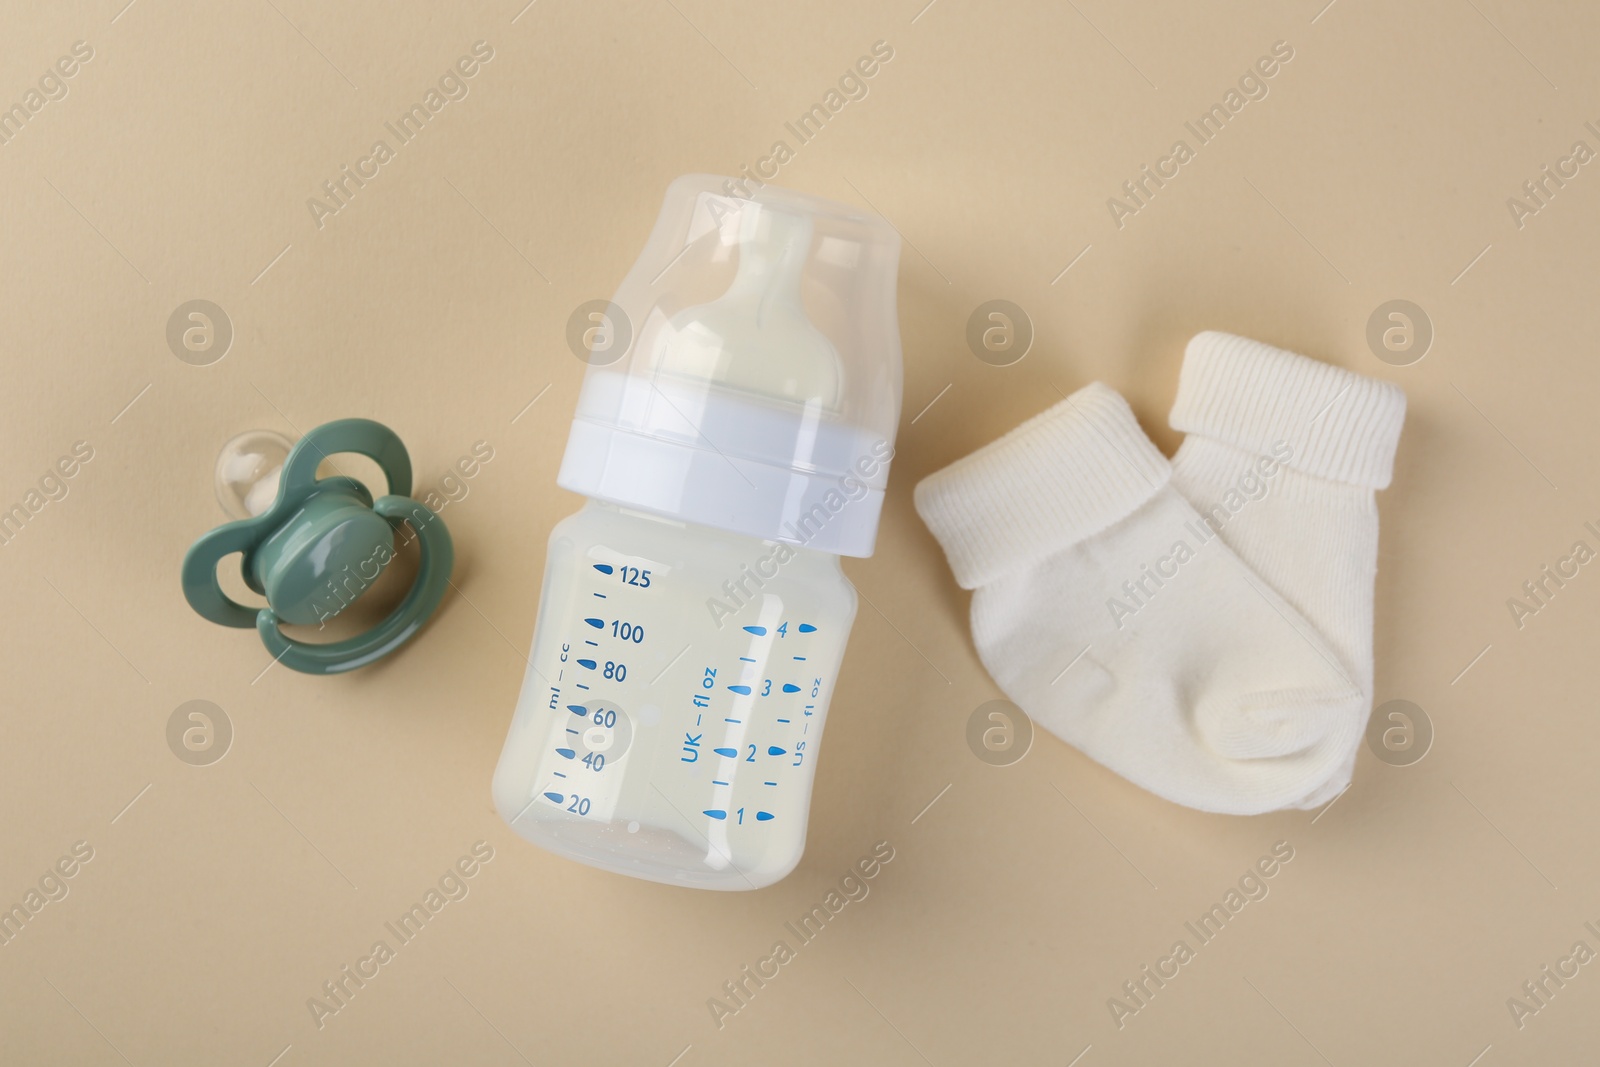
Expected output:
(754, 382)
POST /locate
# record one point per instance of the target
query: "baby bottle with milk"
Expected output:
(733, 438)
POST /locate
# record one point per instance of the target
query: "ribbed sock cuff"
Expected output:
(1059, 478)
(1338, 425)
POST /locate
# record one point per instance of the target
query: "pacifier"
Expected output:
(311, 546)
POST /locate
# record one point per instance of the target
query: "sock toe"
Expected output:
(1273, 723)
(1336, 784)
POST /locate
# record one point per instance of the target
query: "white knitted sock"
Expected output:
(1109, 613)
(1282, 458)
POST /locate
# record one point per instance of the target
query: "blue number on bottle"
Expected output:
(595, 760)
(752, 757)
(579, 805)
(634, 576)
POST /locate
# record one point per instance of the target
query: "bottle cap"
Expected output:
(759, 388)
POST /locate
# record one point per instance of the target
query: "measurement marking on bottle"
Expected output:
(604, 568)
(602, 596)
(807, 628)
(752, 681)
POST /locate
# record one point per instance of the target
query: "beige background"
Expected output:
(221, 897)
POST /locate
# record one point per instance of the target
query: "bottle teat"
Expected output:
(756, 337)
(760, 392)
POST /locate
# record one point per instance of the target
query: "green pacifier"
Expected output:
(312, 546)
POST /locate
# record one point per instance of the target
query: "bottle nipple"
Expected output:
(756, 337)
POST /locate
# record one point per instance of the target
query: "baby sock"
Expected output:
(1282, 459)
(1109, 612)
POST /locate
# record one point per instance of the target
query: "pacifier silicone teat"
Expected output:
(312, 546)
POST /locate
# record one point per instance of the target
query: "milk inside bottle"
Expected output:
(733, 438)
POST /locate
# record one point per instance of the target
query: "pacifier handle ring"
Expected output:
(362, 436)
(199, 574)
(433, 574)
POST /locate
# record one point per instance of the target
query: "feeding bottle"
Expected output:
(733, 436)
